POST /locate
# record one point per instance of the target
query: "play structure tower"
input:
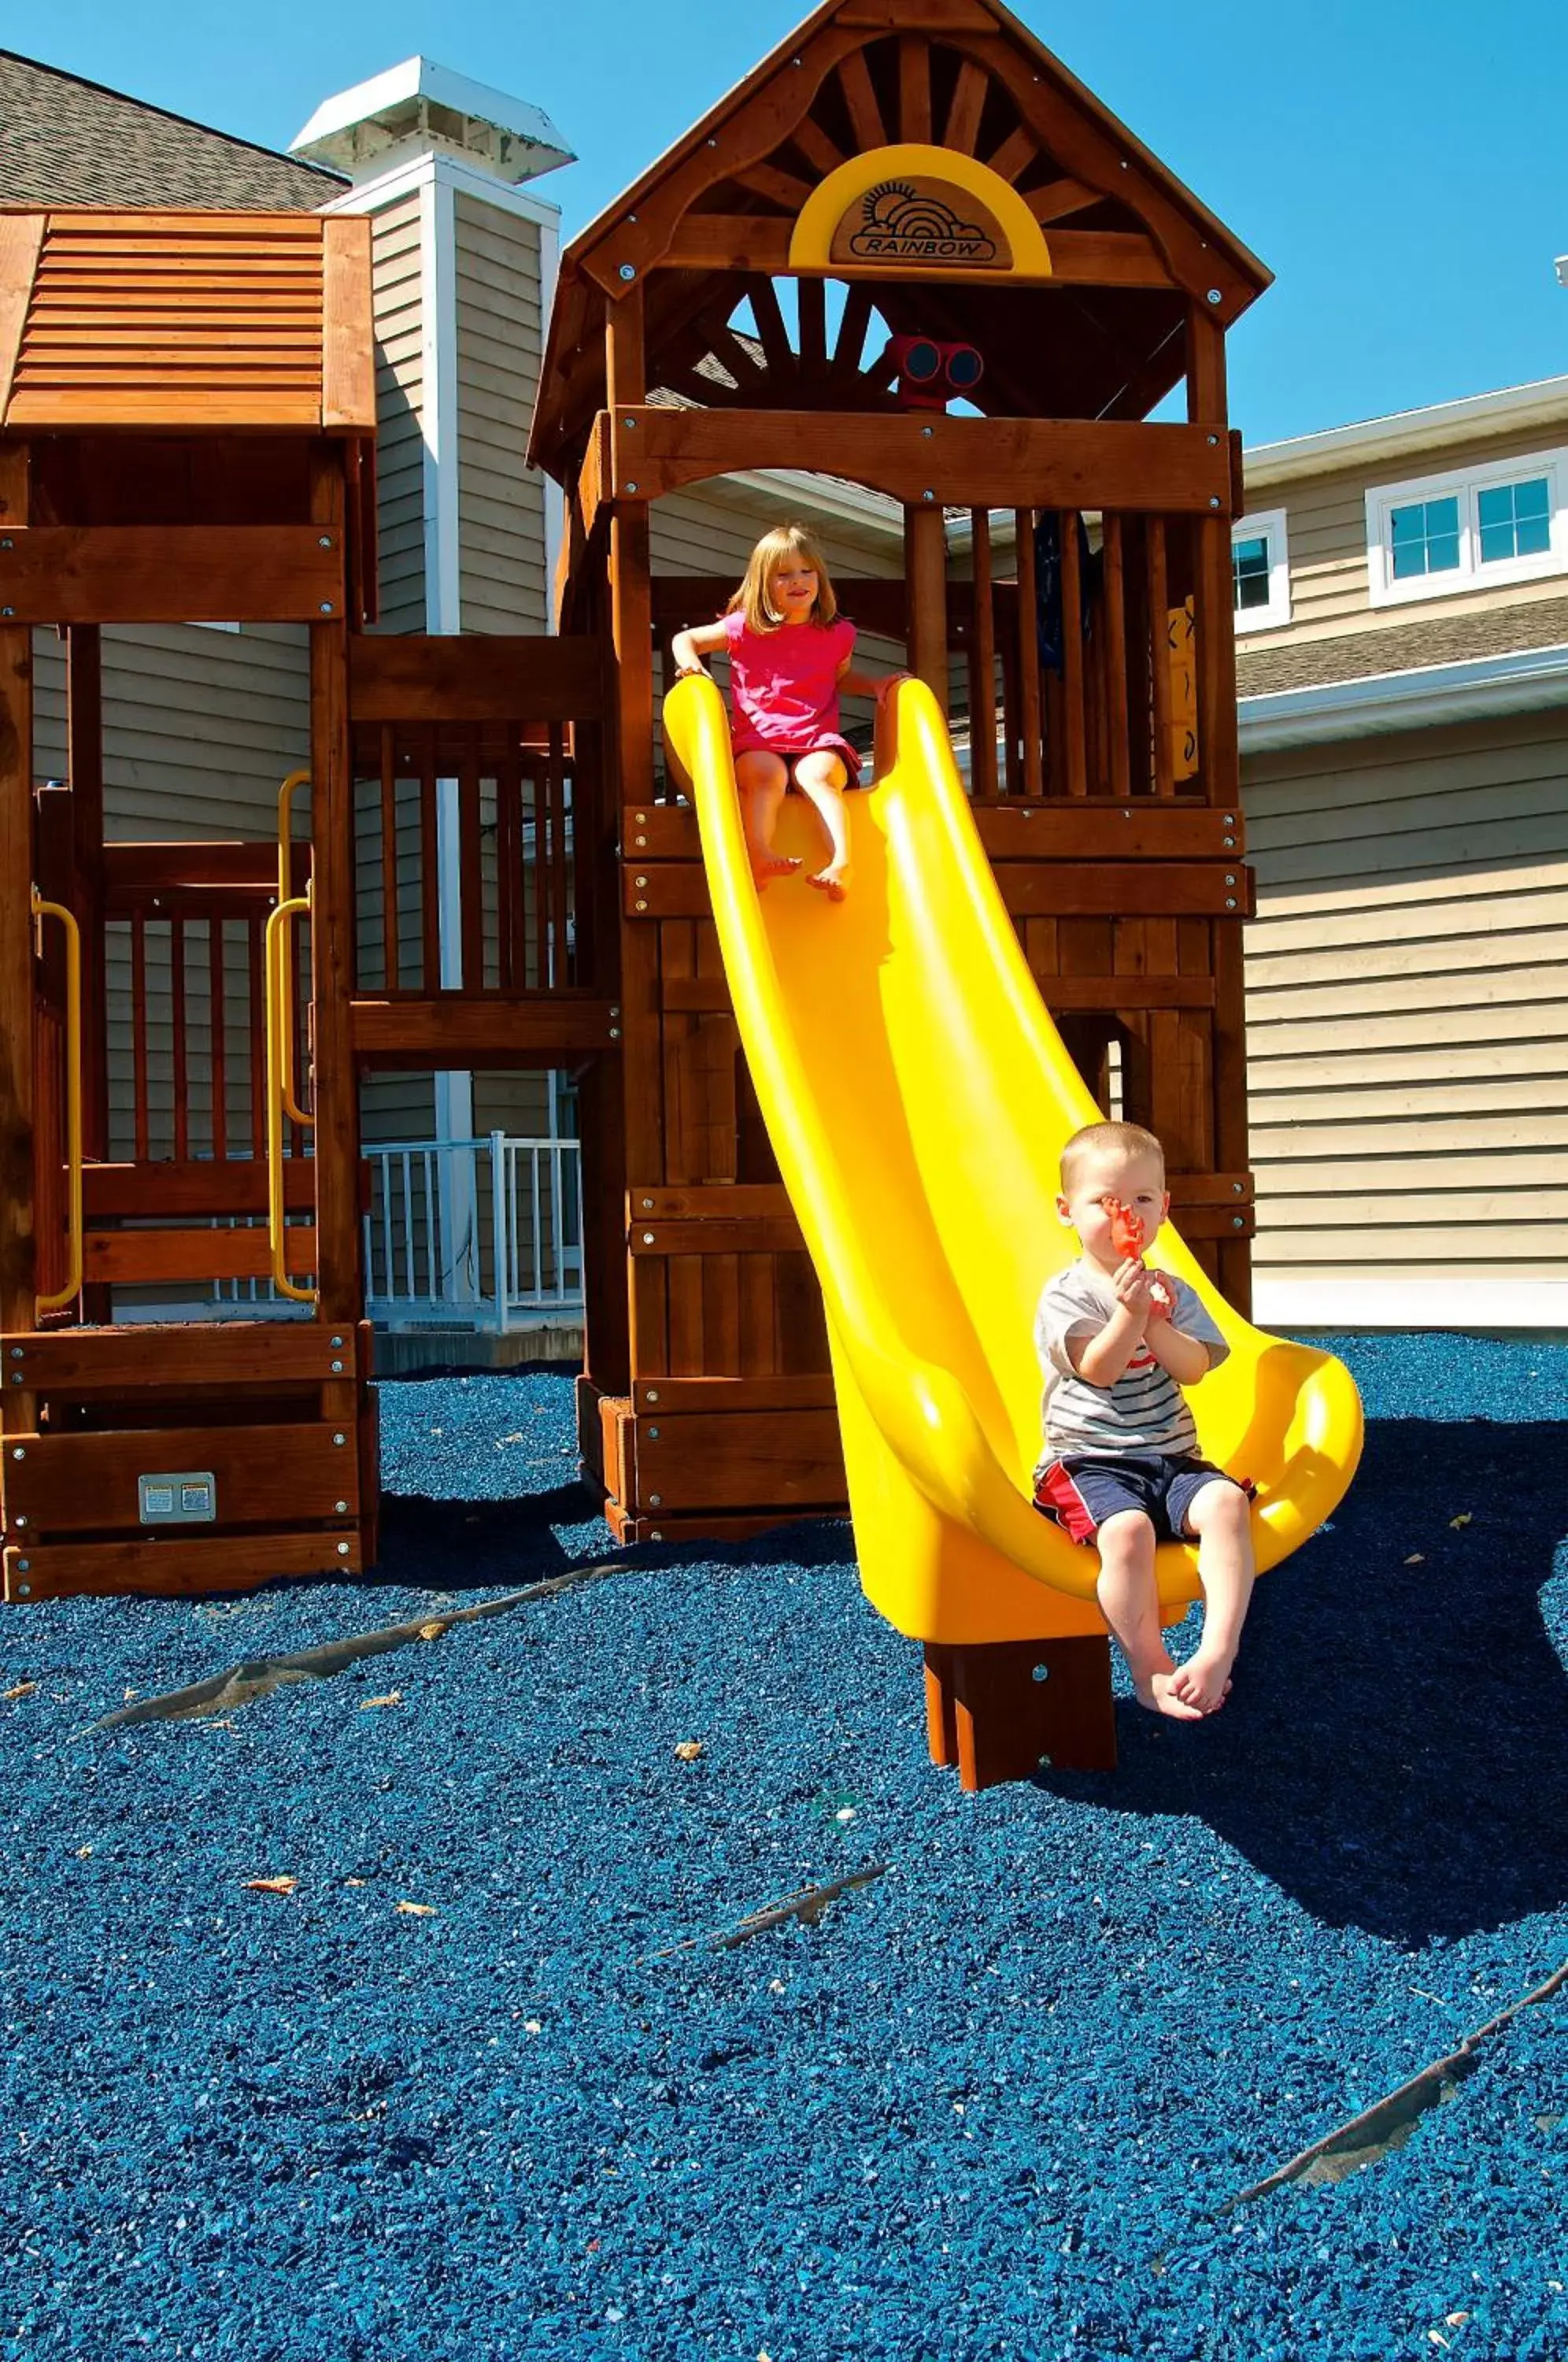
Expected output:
(817, 1252)
(893, 175)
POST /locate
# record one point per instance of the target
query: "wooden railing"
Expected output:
(1079, 656)
(474, 820)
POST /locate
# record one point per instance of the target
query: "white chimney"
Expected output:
(419, 107)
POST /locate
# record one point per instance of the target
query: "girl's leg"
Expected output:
(1130, 1603)
(1220, 1516)
(822, 779)
(762, 779)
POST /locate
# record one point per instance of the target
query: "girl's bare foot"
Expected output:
(833, 881)
(766, 865)
(1158, 1694)
(1204, 1682)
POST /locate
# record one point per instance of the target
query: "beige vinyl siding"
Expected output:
(500, 503)
(396, 1107)
(1408, 1005)
(398, 300)
(1326, 528)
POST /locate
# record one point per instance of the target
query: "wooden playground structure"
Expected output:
(187, 432)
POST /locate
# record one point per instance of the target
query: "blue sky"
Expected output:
(1401, 165)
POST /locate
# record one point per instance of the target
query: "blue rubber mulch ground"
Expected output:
(992, 2106)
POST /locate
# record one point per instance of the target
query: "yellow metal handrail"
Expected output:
(296, 1113)
(42, 909)
(279, 950)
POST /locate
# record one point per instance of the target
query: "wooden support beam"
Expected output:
(263, 1475)
(925, 575)
(340, 1257)
(1126, 889)
(459, 1030)
(347, 331)
(1079, 257)
(81, 1362)
(200, 1186)
(979, 462)
(171, 574)
(151, 1258)
(496, 676)
(167, 1569)
(21, 237)
(17, 1279)
(133, 874)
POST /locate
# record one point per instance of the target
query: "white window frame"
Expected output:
(1471, 574)
(1268, 524)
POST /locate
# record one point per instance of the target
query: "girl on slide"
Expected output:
(788, 651)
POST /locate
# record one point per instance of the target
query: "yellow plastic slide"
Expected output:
(917, 1096)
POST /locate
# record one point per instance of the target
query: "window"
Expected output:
(1503, 522)
(1261, 572)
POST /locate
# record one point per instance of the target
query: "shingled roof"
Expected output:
(66, 142)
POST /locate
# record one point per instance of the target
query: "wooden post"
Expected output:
(925, 574)
(631, 588)
(84, 770)
(18, 1309)
(982, 667)
(1011, 1709)
(336, 1162)
(1219, 766)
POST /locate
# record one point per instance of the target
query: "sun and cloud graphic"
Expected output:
(900, 221)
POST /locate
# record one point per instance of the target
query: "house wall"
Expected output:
(1326, 529)
(501, 506)
(397, 299)
(1408, 1012)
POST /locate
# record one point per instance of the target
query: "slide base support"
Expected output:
(1009, 1709)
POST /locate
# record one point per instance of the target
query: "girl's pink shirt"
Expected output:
(784, 684)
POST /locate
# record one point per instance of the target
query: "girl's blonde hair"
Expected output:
(785, 541)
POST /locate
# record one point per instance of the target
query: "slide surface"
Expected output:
(917, 1096)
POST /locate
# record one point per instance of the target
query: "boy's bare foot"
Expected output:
(833, 881)
(767, 865)
(1158, 1695)
(1204, 1682)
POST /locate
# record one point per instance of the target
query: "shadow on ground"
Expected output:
(1394, 1755)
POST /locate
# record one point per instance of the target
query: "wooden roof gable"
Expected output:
(185, 320)
(720, 215)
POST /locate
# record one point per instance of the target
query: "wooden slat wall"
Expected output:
(501, 506)
(1407, 1003)
(153, 319)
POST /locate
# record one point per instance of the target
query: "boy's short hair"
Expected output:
(1126, 1140)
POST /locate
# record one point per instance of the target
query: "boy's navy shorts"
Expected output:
(1081, 1492)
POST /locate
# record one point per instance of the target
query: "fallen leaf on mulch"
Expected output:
(268, 1885)
(392, 1697)
(418, 1910)
(19, 1689)
(433, 1631)
(1460, 1523)
(690, 1749)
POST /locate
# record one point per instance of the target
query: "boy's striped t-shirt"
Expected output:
(1145, 1410)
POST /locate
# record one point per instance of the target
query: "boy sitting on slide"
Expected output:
(1117, 1343)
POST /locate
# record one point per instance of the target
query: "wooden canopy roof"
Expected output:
(187, 320)
(1091, 330)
